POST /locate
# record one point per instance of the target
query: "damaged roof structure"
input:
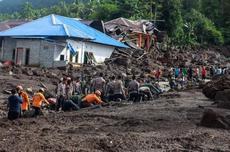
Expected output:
(5, 25)
(136, 34)
(54, 41)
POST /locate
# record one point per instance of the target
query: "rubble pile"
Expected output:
(219, 90)
(193, 57)
(216, 119)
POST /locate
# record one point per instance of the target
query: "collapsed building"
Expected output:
(137, 34)
(54, 41)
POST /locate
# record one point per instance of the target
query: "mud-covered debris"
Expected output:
(216, 85)
(215, 119)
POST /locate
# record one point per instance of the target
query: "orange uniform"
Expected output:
(92, 98)
(38, 98)
(25, 101)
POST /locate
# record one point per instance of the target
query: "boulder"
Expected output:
(218, 84)
(216, 119)
(223, 98)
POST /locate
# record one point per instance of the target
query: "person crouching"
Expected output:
(38, 99)
(91, 100)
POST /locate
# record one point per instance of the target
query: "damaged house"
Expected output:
(54, 41)
(136, 34)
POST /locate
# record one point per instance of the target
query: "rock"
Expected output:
(51, 75)
(220, 83)
(122, 61)
(216, 119)
(223, 95)
(38, 72)
(223, 98)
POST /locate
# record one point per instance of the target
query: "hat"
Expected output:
(98, 92)
(19, 87)
(41, 89)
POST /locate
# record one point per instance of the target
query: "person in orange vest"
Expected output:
(25, 99)
(91, 99)
(38, 99)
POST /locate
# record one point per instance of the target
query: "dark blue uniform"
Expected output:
(14, 105)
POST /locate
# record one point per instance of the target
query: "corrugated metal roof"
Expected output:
(60, 26)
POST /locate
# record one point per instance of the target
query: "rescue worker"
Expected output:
(98, 83)
(61, 93)
(77, 86)
(119, 92)
(133, 87)
(69, 88)
(91, 99)
(14, 103)
(25, 99)
(110, 89)
(144, 91)
(38, 99)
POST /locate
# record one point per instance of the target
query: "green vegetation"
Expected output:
(187, 22)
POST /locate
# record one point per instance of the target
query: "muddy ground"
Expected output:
(170, 123)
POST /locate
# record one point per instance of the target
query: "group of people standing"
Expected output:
(98, 91)
(73, 94)
(19, 103)
(193, 74)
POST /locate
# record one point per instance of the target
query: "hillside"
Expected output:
(9, 6)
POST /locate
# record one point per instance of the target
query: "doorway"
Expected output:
(27, 59)
(19, 56)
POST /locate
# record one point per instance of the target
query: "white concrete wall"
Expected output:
(45, 53)
(61, 50)
(79, 46)
(100, 51)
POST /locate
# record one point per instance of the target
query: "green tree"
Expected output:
(105, 11)
(203, 28)
(173, 20)
(28, 11)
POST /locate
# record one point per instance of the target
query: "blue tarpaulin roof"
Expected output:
(72, 50)
(60, 26)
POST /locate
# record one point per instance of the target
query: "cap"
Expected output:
(98, 92)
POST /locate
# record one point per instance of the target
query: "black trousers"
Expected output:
(135, 97)
(145, 93)
(69, 105)
(84, 104)
(12, 115)
(37, 111)
(118, 96)
(60, 101)
(110, 98)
